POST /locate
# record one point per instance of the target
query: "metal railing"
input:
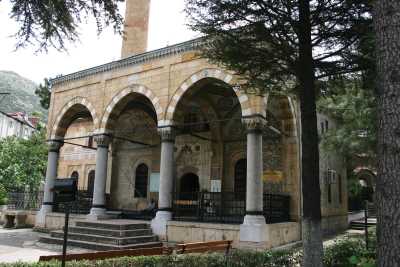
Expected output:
(226, 207)
(81, 205)
(19, 200)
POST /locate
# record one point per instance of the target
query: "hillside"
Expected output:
(22, 94)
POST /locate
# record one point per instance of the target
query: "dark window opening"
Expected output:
(240, 176)
(141, 180)
(90, 141)
(75, 175)
(90, 184)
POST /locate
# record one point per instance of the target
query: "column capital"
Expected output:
(254, 123)
(102, 140)
(167, 133)
(54, 145)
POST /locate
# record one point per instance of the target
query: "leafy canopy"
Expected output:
(23, 162)
(355, 110)
(259, 39)
(44, 93)
(49, 23)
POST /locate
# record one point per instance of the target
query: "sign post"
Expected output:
(65, 190)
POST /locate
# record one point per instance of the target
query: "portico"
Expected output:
(169, 126)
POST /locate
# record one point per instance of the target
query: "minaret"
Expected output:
(136, 27)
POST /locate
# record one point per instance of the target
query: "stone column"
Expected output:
(253, 228)
(164, 213)
(51, 174)
(98, 210)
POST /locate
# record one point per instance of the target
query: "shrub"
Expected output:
(236, 259)
(3, 195)
(349, 253)
(343, 253)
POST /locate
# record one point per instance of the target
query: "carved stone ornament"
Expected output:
(167, 133)
(102, 140)
(54, 145)
(254, 123)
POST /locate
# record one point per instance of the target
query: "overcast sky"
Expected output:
(167, 26)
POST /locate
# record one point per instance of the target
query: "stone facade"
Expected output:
(168, 121)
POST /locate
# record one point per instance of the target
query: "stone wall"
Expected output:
(277, 234)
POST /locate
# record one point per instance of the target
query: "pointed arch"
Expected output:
(72, 107)
(137, 89)
(217, 74)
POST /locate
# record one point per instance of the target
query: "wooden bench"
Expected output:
(101, 255)
(198, 247)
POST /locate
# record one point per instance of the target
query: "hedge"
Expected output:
(343, 253)
(236, 259)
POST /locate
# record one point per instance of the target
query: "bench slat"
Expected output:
(205, 249)
(201, 244)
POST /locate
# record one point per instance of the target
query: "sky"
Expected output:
(167, 26)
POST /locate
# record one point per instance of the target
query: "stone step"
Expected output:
(97, 246)
(108, 225)
(108, 232)
(118, 241)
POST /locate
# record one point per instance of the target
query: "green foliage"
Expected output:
(349, 253)
(43, 91)
(51, 23)
(259, 39)
(343, 253)
(3, 195)
(236, 259)
(23, 162)
(355, 110)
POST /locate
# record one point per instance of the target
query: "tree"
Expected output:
(43, 91)
(387, 21)
(23, 162)
(286, 46)
(354, 109)
(51, 23)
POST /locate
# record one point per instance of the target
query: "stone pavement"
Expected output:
(22, 245)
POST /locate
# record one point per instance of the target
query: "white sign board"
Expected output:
(154, 182)
(215, 185)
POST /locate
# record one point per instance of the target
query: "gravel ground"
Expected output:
(23, 245)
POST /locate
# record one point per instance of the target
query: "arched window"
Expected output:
(90, 184)
(240, 176)
(141, 180)
(75, 175)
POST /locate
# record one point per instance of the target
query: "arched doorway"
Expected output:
(90, 184)
(189, 186)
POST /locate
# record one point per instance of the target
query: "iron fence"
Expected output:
(226, 207)
(81, 205)
(19, 200)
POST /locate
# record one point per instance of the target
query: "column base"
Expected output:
(97, 214)
(253, 229)
(159, 223)
(40, 221)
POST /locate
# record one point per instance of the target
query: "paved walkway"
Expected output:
(22, 245)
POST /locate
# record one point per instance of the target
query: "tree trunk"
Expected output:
(311, 220)
(387, 27)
